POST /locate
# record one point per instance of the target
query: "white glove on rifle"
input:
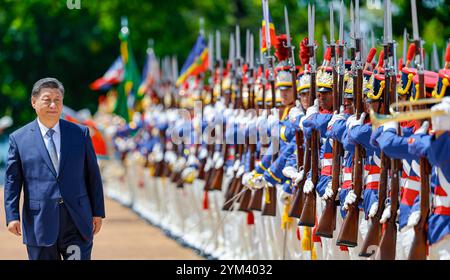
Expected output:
(349, 199)
(309, 112)
(308, 187)
(423, 128)
(292, 173)
(352, 121)
(373, 210)
(335, 118)
(390, 125)
(189, 172)
(247, 177)
(413, 219)
(219, 163)
(296, 111)
(259, 182)
(386, 214)
(240, 171)
(328, 191)
(230, 172)
(208, 164)
(441, 122)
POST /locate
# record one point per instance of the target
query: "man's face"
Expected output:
(287, 97)
(304, 99)
(348, 106)
(375, 105)
(325, 100)
(48, 104)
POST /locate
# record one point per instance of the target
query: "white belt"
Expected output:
(441, 201)
(372, 178)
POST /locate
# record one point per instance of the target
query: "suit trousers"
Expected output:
(70, 245)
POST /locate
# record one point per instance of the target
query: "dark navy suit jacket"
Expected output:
(78, 182)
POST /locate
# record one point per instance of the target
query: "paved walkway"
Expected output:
(123, 236)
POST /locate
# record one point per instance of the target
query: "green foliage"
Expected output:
(45, 38)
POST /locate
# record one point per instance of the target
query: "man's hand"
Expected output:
(97, 224)
(14, 227)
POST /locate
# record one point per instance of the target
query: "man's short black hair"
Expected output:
(47, 83)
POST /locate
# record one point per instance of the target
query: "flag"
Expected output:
(127, 92)
(197, 61)
(112, 76)
(150, 73)
(273, 35)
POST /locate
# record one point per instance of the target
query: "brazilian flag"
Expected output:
(127, 93)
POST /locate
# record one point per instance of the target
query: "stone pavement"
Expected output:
(123, 236)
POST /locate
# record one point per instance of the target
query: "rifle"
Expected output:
(256, 200)
(217, 179)
(348, 234)
(327, 222)
(418, 249)
(308, 215)
(250, 148)
(270, 206)
(386, 250)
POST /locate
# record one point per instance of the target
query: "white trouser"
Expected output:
(441, 249)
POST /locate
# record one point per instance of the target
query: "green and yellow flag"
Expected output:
(127, 91)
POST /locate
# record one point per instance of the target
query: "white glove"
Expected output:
(219, 163)
(310, 111)
(386, 214)
(335, 118)
(296, 111)
(352, 121)
(314, 109)
(390, 125)
(373, 210)
(208, 164)
(236, 165)
(203, 153)
(349, 199)
(188, 172)
(289, 171)
(423, 129)
(216, 156)
(308, 187)
(180, 163)
(259, 182)
(240, 171)
(285, 197)
(413, 219)
(158, 156)
(230, 172)
(246, 178)
(441, 122)
(328, 191)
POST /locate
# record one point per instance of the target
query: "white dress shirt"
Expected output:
(56, 137)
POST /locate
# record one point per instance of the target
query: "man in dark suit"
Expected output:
(53, 160)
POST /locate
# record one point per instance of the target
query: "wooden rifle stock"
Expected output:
(418, 249)
(298, 202)
(348, 235)
(388, 241)
(327, 222)
(308, 216)
(373, 236)
(270, 205)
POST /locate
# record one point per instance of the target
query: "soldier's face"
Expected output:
(348, 106)
(325, 100)
(48, 104)
(304, 99)
(287, 98)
